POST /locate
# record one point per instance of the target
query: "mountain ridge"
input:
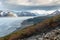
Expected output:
(57, 12)
(26, 13)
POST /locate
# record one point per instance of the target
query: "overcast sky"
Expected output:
(30, 4)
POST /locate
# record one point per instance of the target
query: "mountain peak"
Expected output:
(57, 12)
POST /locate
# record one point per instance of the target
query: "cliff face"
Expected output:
(36, 29)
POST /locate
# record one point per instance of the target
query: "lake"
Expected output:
(10, 24)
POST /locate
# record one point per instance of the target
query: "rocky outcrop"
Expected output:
(52, 35)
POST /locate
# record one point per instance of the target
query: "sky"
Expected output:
(30, 4)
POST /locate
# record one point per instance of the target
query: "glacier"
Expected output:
(10, 24)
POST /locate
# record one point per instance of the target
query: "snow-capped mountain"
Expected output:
(57, 12)
(26, 14)
(11, 14)
(7, 14)
(16, 14)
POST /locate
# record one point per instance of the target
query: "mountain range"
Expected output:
(16, 14)
(25, 13)
(7, 14)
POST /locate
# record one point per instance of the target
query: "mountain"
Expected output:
(16, 14)
(34, 20)
(21, 13)
(26, 14)
(57, 12)
(0, 13)
(11, 14)
(41, 27)
(7, 14)
(30, 13)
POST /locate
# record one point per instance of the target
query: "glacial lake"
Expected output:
(10, 24)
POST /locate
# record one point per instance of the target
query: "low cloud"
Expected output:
(1, 5)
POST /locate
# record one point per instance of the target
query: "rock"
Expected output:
(52, 35)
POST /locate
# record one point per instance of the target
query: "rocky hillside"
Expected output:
(40, 18)
(37, 29)
(34, 20)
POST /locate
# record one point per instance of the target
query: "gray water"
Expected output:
(10, 24)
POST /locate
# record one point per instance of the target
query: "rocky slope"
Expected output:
(34, 20)
(52, 35)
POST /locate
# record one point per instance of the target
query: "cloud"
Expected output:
(33, 2)
(42, 11)
(1, 5)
